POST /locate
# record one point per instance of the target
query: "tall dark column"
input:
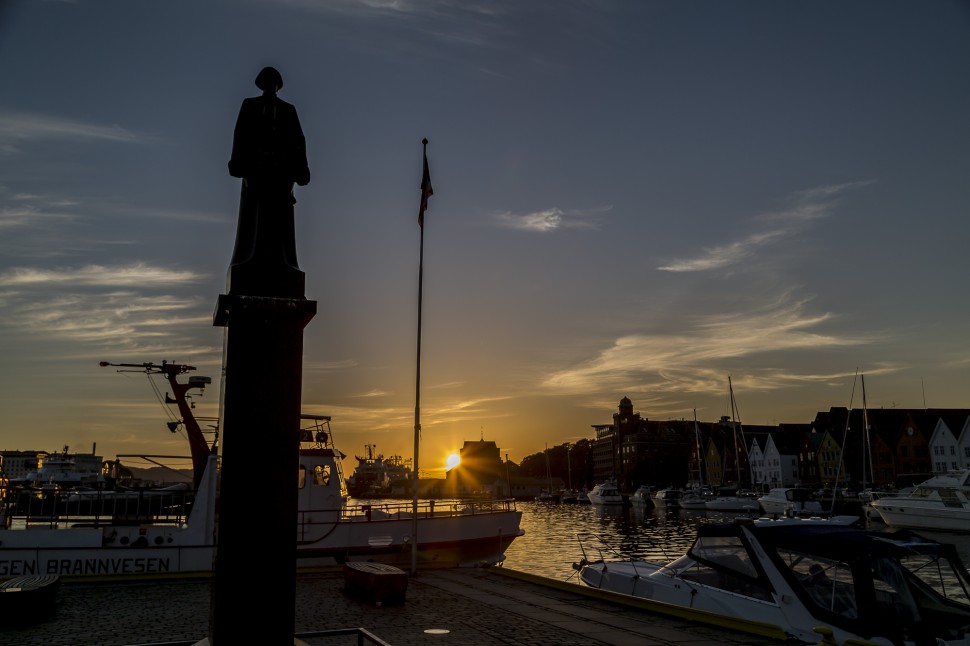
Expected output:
(265, 312)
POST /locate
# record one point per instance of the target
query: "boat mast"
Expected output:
(697, 442)
(199, 447)
(866, 440)
(734, 431)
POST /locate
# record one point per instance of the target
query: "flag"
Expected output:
(426, 190)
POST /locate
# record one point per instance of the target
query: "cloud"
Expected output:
(723, 256)
(20, 127)
(551, 219)
(810, 205)
(693, 358)
(834, 189)
(135, 275)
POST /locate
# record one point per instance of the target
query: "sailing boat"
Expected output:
(733, 502)
(546, 495)
(696, 500)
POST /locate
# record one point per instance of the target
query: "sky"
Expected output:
(631, 198)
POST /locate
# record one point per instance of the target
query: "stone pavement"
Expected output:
(467, 607)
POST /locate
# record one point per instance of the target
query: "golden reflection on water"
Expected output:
(554, 532)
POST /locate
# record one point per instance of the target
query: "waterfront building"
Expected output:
(781, 456)
(947, 443)
(480, 466)
(634, 450)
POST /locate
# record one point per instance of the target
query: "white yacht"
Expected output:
(606, 493)
(807, 579)
(789, 501)
(940, 503)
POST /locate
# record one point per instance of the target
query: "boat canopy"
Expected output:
(871, 583)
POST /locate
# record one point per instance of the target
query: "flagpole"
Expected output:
(426, 192)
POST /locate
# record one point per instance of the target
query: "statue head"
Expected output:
(269, 80)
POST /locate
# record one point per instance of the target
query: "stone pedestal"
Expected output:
(254, 592)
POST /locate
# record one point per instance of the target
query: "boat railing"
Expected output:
(598, 547)
(32, 508)
(401, 510)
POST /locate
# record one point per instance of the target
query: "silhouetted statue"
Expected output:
(269, 154)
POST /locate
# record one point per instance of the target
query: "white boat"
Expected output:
(793, 501)
(546, 496)
(728, 503)
(65, 470)
(668, 498)
(605, 493)
(174, 532)
(642, 496)
(694, 501)
(939, 503)
(810, 580)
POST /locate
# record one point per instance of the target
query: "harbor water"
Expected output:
(558, 535)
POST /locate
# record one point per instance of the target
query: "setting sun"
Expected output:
(453, 460)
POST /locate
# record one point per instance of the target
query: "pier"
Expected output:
(448, 606)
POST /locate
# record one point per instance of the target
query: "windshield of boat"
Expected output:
(941, 575)
(826, 581)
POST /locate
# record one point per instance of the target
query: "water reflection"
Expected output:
(554, 533)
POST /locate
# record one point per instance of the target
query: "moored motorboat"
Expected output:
(810, 580)
(694, 501)
(606, 493)
(731, 504)
(789, 501)
(939, 503)
(642, 497)
(173, 532)
(668, 498)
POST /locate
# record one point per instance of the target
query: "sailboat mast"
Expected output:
(697, 442)
(866, 440)
(734, 432)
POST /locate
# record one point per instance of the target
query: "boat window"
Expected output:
(891, 592)
(725, 551)
(828, 582)
(302, 478)
(940, 574)
(321, 474)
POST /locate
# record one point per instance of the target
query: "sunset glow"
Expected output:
(453, 461)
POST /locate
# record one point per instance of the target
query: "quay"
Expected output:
(449, 606)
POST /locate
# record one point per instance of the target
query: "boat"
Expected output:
(790, 501)
(582, 497)
(811, 580)
(694, 501)
(668, 498)
(642, 497)
(546, 496)
(63, 470)
(939, 503)
(568, 496)
(729, 500)
(174, 532)
(605, 493)
(375, 476)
